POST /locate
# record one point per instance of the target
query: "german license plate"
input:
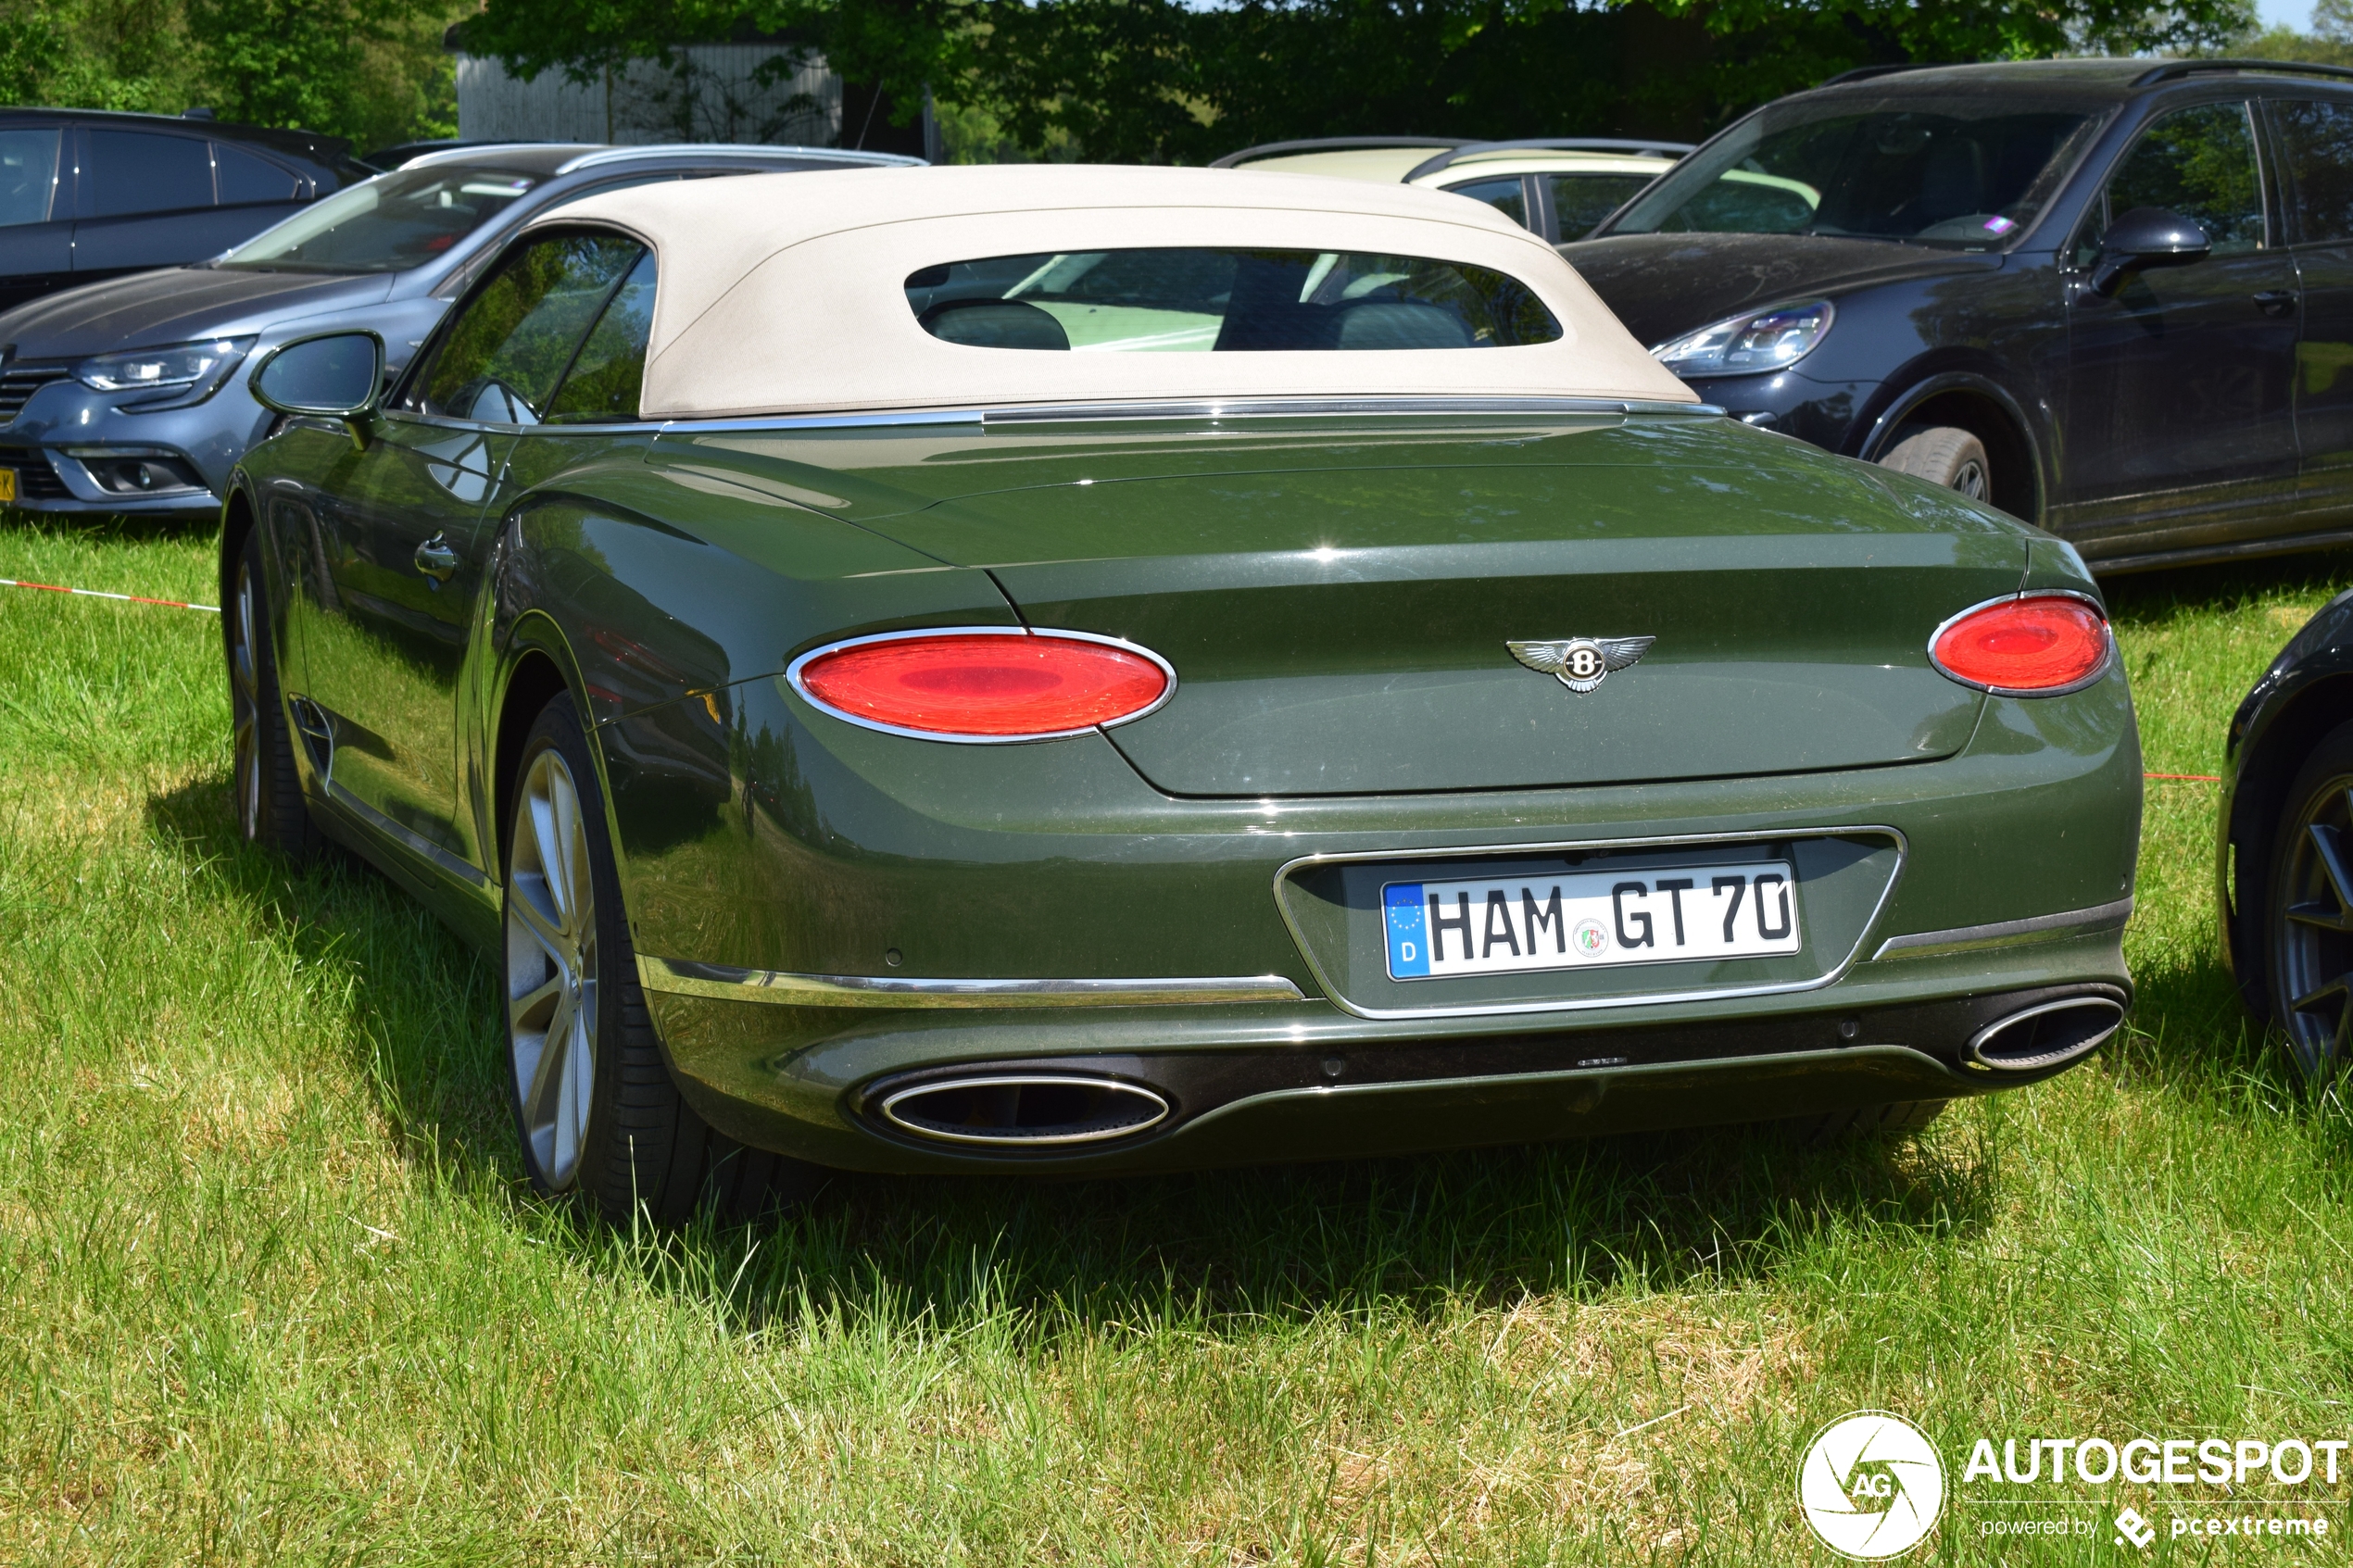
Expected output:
(7, 487)
(1588, 919)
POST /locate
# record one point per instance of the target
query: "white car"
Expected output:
(1559, 187)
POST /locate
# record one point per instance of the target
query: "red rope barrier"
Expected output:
(100, 594)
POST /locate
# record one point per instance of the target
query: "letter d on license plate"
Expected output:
(1583, 920)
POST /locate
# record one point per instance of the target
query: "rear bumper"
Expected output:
(2017, 872)
(1274, 1082)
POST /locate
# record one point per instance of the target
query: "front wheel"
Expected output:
(1944, 455)
(596, 1108)
(2309, 907)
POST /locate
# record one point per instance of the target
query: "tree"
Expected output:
(371, 70)
(1174, 80)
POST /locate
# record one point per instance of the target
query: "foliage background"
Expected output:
(1183, 81)
(1157, 80)
(371, 70)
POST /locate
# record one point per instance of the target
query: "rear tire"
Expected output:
(264, 786)
(1944, 455)
(597, 1112)
(1868, 1122)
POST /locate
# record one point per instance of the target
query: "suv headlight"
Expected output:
(1761, 340)
(183, 372)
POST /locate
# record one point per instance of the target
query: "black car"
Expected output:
(2115, 297)
(2284, 871)
(85, 195)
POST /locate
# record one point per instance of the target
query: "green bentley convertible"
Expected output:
(1098, 670)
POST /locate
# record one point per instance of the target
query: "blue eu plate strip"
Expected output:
(1402, 915)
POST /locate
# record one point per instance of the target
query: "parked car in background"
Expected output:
(838, 642)
(392, 157)
(126, 396)
(2284, 860)
(1558, 187)
(86, 195)
(2114, 297)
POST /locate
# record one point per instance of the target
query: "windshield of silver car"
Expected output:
(1943, 170)
(387, 225)
(1198, 300)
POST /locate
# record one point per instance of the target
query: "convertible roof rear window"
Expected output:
(1199, 299)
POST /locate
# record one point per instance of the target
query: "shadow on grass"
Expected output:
(2154, 596)
(113, 527)
(1717, 1207)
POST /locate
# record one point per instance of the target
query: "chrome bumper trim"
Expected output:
(2009, 933)
(682, 979)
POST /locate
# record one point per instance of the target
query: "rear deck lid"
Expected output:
(1340, 616)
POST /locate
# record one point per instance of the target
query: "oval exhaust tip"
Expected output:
(2045, 1036)
(1025, 1110)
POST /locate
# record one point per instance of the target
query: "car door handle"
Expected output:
(2275, 302)
(436, 560)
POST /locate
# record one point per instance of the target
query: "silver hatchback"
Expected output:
(126, 396)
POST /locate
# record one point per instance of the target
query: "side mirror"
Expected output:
(2144, 237)
(335, 376)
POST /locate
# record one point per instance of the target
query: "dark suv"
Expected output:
(2113, 296)
(85, 196)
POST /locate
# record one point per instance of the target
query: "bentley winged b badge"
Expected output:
(1581, 663)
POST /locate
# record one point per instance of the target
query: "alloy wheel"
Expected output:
(2315, 945)
(244, 706)
(551, 969)
(1970, 480)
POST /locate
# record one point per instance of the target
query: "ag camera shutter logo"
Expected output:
(1871, 1485)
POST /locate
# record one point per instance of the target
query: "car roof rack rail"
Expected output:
(1865, 73)
(1550, 144)
(749, 150)
(2173, 70)
(1332, 145)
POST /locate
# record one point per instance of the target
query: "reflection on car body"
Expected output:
(876, 731)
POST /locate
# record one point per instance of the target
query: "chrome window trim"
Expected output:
(792, 679)
(725, 425)
(1594, 1004)
(1199, 408)
(679, 977)
(1314, 407)
(2008, 933)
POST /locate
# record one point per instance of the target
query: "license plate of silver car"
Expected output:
(1589, 919)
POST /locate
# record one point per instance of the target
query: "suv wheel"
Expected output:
(1944, 455)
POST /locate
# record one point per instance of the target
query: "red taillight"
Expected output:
(2040, 643)
(976, 685)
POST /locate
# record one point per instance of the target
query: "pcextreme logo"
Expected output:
(1871, 1485)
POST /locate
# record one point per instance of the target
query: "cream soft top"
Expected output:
(785, 294)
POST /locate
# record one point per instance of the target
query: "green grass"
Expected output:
(273, 1291)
